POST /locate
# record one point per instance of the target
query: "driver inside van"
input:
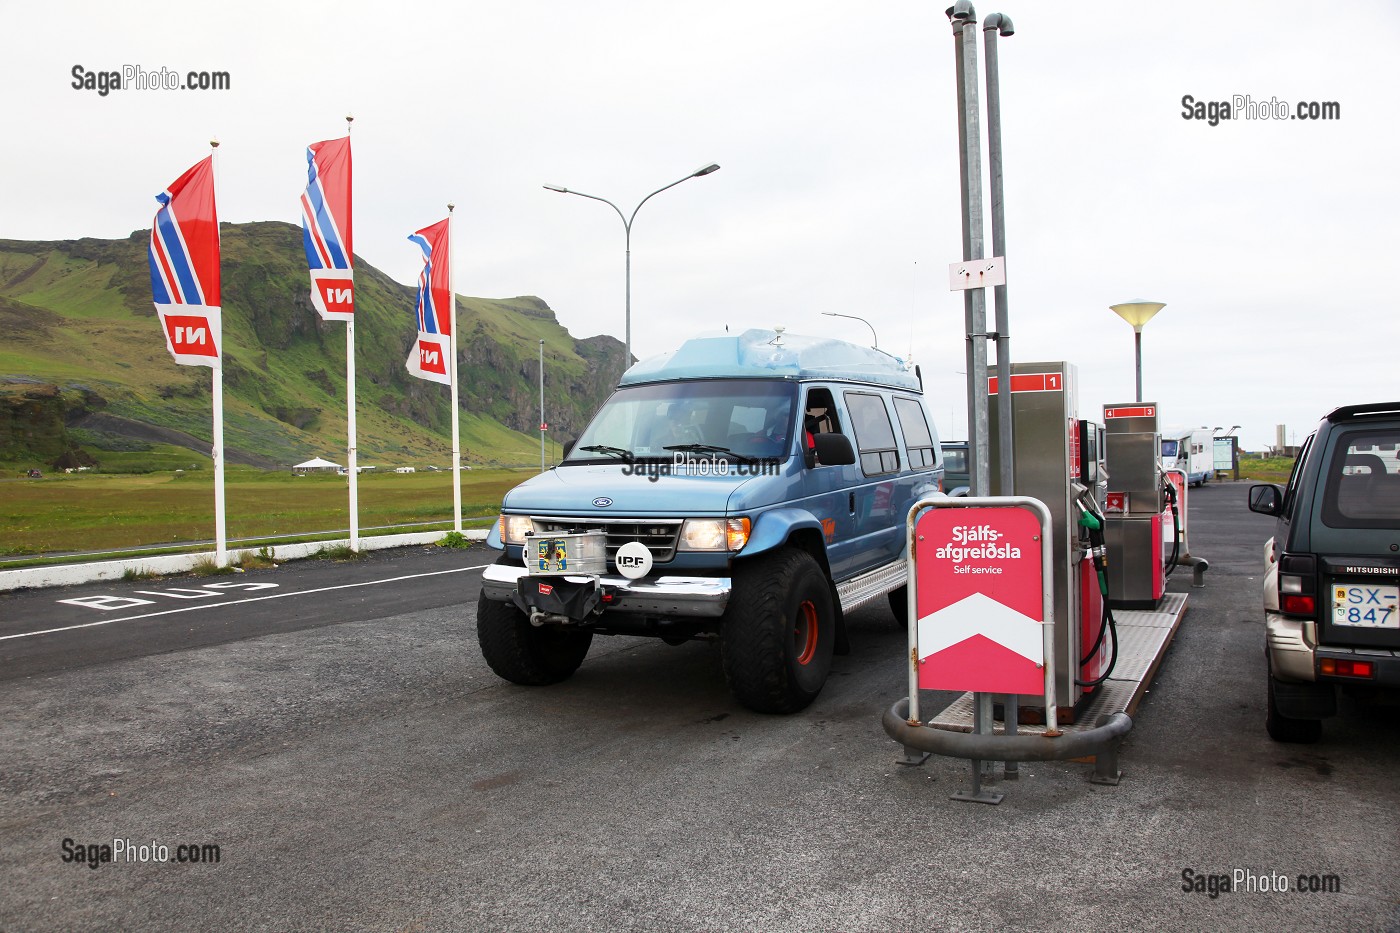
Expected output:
(679, 428)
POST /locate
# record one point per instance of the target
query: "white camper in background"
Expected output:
(1191, 452)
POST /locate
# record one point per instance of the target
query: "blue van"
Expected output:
(748, 488)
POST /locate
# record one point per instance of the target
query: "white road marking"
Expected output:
(239, 602)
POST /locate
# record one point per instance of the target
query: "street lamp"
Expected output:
(1137, 313)
(873, 336)
(627, 230)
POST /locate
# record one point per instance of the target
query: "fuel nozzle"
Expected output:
(1092, 523)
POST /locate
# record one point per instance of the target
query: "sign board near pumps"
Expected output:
(1223, 454)
(980, 600)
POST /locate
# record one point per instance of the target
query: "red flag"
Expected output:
(432, 352)
(326, 228)
(184, 262)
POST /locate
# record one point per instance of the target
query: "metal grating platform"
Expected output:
(1143, 637)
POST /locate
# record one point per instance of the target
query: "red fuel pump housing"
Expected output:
(1091, 618)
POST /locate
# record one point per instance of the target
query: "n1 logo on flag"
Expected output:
(326, 228)
(184, 264)
(432, 351)
(333, 293)
(191, 336)
(429, 359)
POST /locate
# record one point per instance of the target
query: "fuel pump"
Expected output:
(1175, 522)
(1059, 460)
(1097, 629)
(1135, 503)
(1174, 517)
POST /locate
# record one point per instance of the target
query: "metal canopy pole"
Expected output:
(964, 20)
(993, 25)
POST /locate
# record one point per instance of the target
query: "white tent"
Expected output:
(315, 465)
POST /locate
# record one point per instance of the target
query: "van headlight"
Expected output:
(514, 528)
(714, 534)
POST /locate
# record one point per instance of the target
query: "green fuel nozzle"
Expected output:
(1099, 552)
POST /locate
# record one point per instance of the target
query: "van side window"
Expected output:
(819, 414)
(874, 435)
(918, 439)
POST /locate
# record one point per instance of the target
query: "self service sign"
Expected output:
(980, 599)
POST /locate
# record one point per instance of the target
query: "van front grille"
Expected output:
(659, 535)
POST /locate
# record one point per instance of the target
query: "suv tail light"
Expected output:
(1297, 584)
(1343, 668)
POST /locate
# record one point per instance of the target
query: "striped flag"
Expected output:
(432, 352)
(184, 260)
(326, 228)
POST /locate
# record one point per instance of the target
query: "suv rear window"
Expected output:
(1363, 480)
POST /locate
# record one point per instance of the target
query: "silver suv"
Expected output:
(1332, 577)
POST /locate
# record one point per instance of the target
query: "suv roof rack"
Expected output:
(1347, 412)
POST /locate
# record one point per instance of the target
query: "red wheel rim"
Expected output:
(805, 632)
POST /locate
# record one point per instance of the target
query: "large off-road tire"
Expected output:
(1283, 729)
(526, 654)
(777, 635)
(899, 605)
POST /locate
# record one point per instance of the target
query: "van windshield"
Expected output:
(742, 418)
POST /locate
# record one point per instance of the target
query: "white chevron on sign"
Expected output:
(979, 614)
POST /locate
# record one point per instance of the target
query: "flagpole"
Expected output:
(452, 349)
(217, 391)
(352, 458)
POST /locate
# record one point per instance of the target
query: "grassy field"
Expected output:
(98, 511)
(1272, 470)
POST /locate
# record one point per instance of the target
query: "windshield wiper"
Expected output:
(711, 449)
(620, 452)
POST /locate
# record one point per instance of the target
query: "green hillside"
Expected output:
(80, 345)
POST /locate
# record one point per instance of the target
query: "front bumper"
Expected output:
(667, 596)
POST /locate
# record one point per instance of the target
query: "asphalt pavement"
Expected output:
(339, 739)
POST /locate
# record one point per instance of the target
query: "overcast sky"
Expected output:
(1271, 242)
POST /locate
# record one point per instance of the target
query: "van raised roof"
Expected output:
(761, 353)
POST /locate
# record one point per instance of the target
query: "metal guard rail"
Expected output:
(1101, 742)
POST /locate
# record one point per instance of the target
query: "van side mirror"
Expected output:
(1266, 499)
(832, 450)
(567, 448)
